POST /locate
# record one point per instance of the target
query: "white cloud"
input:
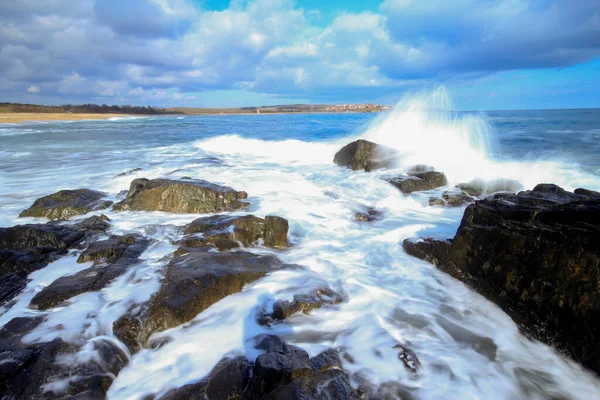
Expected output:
(33, 89)
(163, 49)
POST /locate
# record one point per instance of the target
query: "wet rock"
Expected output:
(195, 281)
(27, 248)
(246, 229)
(304, 303)
(281, 372)
(419, 181)
(133, 171)
(128, 329)
(452, 199)
(109, 250)
(287, 372)
(186, 178)
(227, 380)
(94, 224)
(226, 232)
(364, 155)
(112, 257)
(479, 187)
(25, 370)
(191, 197)
(369, 216)
(24, 237)
(409, 358)
(16, 328)
(276, 229)
(536, 255)
(331, 380)
(66, 204)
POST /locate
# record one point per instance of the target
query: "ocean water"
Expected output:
(468, 348)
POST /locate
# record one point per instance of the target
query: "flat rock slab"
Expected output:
(193, 282)
(112, 257)
(537, 255)
(365, 155)
(66, 204)
(182, 197)
(419, 181)
(228, 232)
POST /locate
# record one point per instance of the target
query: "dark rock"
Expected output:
(419, 181)
(304, 303)
(66, 204)
(113, 257)
(27, 248)
(186, 178)
(24, 370)
(133, 171)
(452, 199)
(479, 187)
(276, 229)
(16, 328)
(364, 155)
(369, 216)
(536, 255)
(109, 250)
(195, 281)
(247, 229)
(95, 224)
(409, 358)
(331, 380)
(128, 329)
(227, 380)
(11, 285)
(281, 372)
(23, 237)
(226, 232)
(195, 196)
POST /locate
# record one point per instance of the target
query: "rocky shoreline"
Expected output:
(534, 253)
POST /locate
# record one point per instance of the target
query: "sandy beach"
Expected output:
(13, 118)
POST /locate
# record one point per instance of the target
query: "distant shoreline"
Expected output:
(17, 118)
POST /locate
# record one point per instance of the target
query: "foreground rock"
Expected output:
(281, 372)
(419, 181)
(364, 155)
(66, 204)
(193, 282)
(112, 258)
(183, 197)
(50, 370)
(226, 232)
(369, 216)
(536, 255)
(27, 248)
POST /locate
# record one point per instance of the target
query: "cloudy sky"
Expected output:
(490, 54)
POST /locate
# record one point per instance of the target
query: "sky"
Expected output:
(489, 54)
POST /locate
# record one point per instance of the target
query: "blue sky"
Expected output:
(490, 54)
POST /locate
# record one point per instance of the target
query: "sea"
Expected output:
(467, 346)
